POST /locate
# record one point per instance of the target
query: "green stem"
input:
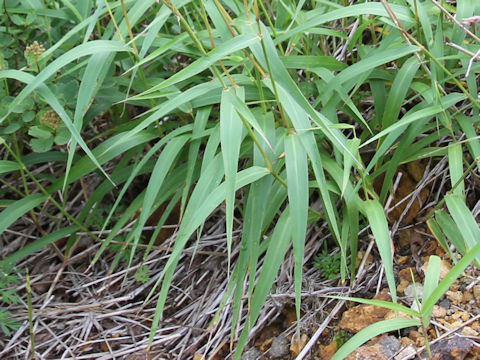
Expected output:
(114, 21)
(30, 314)
(130, 33)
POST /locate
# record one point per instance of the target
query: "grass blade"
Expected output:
(455, 165)
(279, 243)
(429, 285)
(452, 276)
(231, 129)
(38, 244)
(159, 173)
(201, 204)
(378, 223)
(370, 332)
(7, 166)
(464, 219)
(399, 90)
(297, 178)
(18, 209)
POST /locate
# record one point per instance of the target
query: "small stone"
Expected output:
(445, 268)
(406, 274)
(280, 347)
(382, 348)
(359, 317)
(455, 286)
(402, 286)
(251, 354)
(476, 292)
(367, 353)
(445, 303)
(417, 337)
(403, 260)
(405, 341)
(456, 347)
(468, 331)
(467, 296)
(439, 311)
(298, 344)
(455, 296)
(465, 316)
(327, 351)
(454, 324)
(392, 314)
(460, 315)
(475, 325)
(390, 345)
(414, 292)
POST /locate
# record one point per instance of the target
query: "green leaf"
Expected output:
(370, 8)
(312, 62)
(39, 244)
(62, 136)
(451, 230)
(18, 209)
(464, 219)
(435, 229)
(455, 165)
(7, 166)
(297, 178)
(400, 87)
(378, 223)
(53, 102)
(159, 173)
(231, 129)
(381, 303)
(370, 332)
(352, 144)
(202, 202)
(279, 243)
(429, 285)
(39, 132)
(452, 276)
(41, 145)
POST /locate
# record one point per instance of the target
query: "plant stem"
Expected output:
(30, 314)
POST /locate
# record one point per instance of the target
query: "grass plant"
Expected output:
(263, 107)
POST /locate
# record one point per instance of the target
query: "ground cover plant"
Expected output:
(194, 167)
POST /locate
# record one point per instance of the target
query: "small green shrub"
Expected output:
(341, 337)
(328, 264)
(8, 296)
(142, 274)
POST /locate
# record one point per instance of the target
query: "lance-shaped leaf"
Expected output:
(297, 178)
(378, 223)
(231, 129)
(19, 208)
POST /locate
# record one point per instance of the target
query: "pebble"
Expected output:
(251, 354)
(280, 348)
